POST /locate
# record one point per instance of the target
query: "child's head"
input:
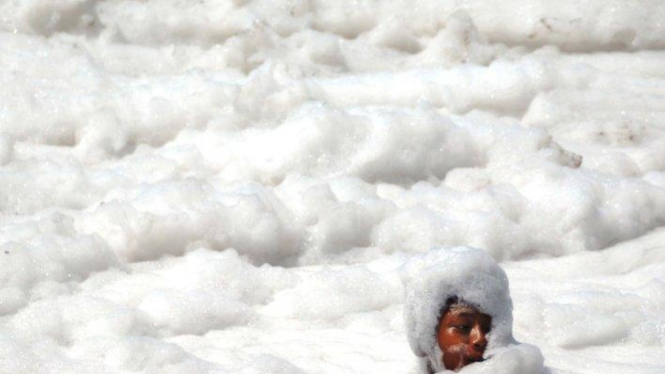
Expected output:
(462, 333)
(458, 308)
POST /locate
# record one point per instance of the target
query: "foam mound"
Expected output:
(228, 186)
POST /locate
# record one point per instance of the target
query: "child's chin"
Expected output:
(471, 360)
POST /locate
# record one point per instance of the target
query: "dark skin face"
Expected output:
(462, 335)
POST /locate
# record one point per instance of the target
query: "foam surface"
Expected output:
(234, 186)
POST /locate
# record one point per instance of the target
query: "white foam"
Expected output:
(235, 186)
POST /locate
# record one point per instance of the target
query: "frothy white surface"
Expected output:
(232, 186)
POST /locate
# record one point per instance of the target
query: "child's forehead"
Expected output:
(463, 310)
(460, 304)
(466, 310)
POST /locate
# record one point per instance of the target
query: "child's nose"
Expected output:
(478, 339)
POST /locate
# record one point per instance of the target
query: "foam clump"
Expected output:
(148, 224)
(270, 364)
(472, 276)
(41, 259)
(193, 312)
(514, 359)
(76, 16)
(142, 354)
(343, 292)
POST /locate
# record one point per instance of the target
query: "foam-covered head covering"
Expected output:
(471, 275)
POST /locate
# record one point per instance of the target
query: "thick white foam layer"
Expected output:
(224, 187)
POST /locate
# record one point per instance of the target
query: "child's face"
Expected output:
(462, 335)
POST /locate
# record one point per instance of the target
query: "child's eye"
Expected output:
(463, 327)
